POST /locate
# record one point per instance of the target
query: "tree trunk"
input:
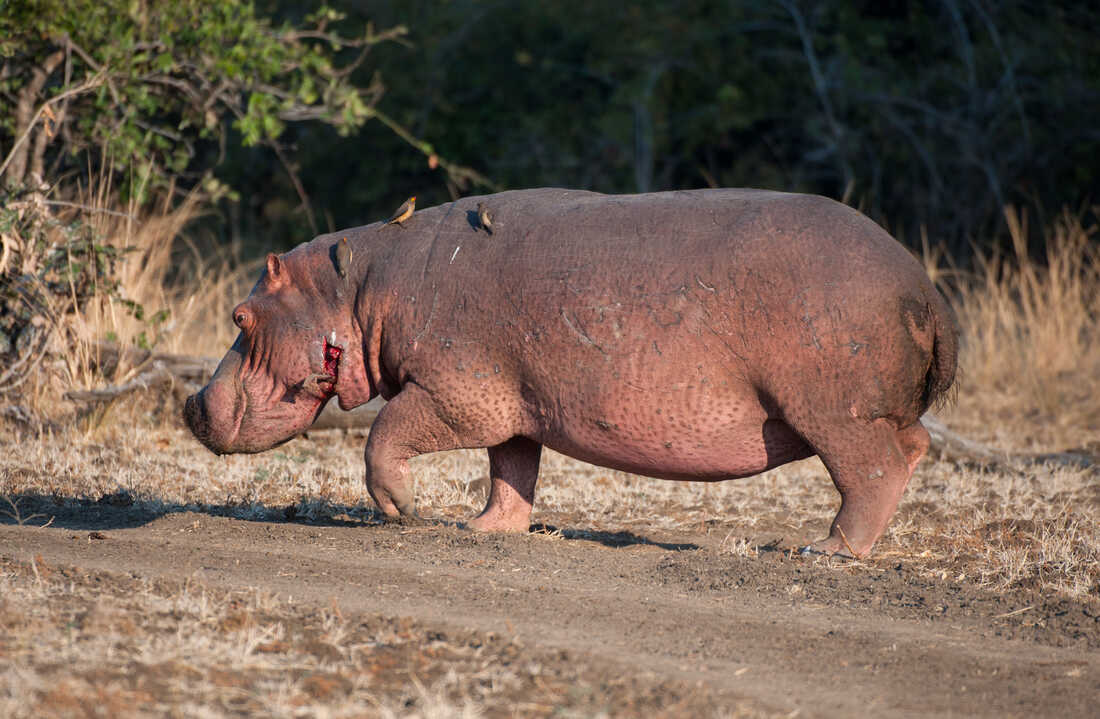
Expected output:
(29, 98)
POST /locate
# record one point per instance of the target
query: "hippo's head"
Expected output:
(297, 348)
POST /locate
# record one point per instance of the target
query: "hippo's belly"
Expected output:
(684, 432)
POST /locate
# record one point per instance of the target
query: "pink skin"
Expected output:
(701, 335)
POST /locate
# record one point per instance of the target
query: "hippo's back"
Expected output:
(737, 232)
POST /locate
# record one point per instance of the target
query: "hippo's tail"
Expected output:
(940, 379)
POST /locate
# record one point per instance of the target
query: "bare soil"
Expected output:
(619, 623)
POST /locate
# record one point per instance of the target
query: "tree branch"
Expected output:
(461, 173)
(298, 186)
(91, 84)
(26, 117)
(820, 86)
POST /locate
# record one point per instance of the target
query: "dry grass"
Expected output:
(1030, 361)
(108, 645)
(162, 270)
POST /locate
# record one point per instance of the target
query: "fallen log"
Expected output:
(955, 446)
(156, 375)
(332, 417)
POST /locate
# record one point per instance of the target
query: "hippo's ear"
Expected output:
(276, 275)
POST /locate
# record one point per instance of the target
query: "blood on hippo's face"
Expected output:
(276, 377)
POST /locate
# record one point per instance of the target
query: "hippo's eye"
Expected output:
(242, 319)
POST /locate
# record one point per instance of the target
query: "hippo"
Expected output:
(695, 335)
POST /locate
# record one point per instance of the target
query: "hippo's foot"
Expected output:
(395, 499)
(870, 463)
(513, 471)
(495, 522)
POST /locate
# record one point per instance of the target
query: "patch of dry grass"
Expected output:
(1030, 359)
(109, 645)
(77, 645)
(185, 295)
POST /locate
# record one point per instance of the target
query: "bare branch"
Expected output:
(1010, 73)
(89, 209)
(25, 117)
(820, 86)
(395, 34)
(70, 45)
(459, 172)
(15, 375)
(68, 42)
(161, 79)
(298, 186)
(157, 374)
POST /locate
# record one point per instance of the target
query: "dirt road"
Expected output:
(771, 634)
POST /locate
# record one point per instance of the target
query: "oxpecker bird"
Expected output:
(343, 257)
(403, 213)
(484, 217)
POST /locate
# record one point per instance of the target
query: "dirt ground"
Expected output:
(431, 619)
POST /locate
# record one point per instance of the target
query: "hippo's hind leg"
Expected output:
(870, 463)
(513, 471)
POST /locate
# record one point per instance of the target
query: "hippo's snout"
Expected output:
(212, 417)
(198, 420)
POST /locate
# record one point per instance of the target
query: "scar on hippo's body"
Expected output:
(331, 357)
(330, 363)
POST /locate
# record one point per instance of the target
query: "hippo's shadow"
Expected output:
(612, 539)
(121, 510)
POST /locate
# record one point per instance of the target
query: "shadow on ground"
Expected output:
(122, 510)
(612, 539)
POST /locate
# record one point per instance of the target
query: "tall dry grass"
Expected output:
(1030, 356)
(184, 290)
(163, 268)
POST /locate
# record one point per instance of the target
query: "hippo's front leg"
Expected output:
(406, 427)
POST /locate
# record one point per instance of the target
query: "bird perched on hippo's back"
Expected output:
(343, 257)
(403, 213)
(484, 217)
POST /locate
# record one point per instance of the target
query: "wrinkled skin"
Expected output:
(700, 335)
